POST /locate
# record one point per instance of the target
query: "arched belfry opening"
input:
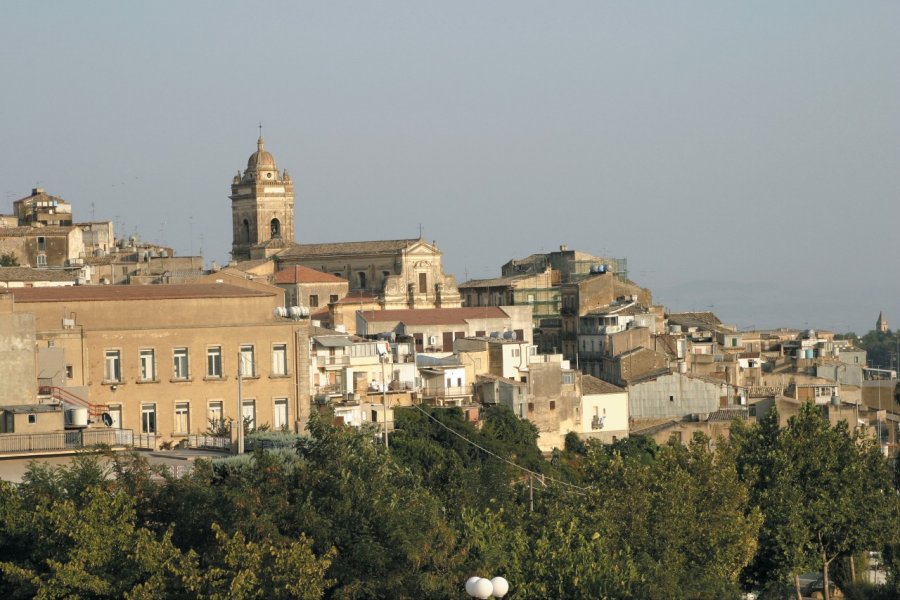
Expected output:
(275, 228)
(245, 232)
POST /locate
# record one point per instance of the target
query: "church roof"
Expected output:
(261, 159)
(300, 274)
(347, 248)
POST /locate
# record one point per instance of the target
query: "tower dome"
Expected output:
(261, 159)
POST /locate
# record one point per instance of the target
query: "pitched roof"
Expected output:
(30, 274)
(35, 231)
(695, 319)
(106, 293)
(593, 385)
(434, 316)
(357, 297)
(300, 274)
(346, 248)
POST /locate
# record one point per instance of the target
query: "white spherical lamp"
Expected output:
(470, 585)
(483, 588)
(501, 586)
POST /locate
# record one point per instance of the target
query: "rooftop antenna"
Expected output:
(93, 213)
(420, 231)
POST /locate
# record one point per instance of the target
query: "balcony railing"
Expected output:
(13, 443)
(332, 361)
(209, 442)
(447, 392)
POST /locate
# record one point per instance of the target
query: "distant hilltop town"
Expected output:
(121, 342)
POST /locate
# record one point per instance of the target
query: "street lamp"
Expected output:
(480, 587)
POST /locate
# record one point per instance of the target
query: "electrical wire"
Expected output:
(543, 478)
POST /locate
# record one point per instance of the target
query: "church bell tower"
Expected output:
(262, 207)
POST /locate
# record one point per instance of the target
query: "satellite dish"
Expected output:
(107, 419)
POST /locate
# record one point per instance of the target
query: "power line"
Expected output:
(541, 476)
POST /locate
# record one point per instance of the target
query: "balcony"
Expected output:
(63, 441)
(440, 393)
(332, 361)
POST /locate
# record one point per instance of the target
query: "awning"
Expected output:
(333, 341)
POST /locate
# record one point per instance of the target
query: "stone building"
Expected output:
(43, 246)
(262, 207)
(311, 288)
(401, 274)
(40, 208)
(162, 360)
(435, 329)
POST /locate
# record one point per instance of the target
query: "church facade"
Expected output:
(391, 274)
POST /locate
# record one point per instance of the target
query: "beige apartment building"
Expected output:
(164, 359)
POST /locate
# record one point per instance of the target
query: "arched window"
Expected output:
(276, 228)
(245, 231)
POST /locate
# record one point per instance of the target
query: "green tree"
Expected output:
(8, 259)
(810, 480)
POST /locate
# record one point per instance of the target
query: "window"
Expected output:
(313, 300)
(180, 363)
(214, 362)
(32, 419)
(248, 364)
(279, 359)
(553, 405)
(69, 372)
(248, 412)
(41, 243)
(148, 364)
(148, 418)
(113, 370)
(280, 414)
(333, 298)
(568, 378)
(214, 414)
(42, 260)
(516, 352)
(423, 283)
(361, 279)
(182, 418)
(671, 398)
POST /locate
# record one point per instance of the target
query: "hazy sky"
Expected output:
(741, 155)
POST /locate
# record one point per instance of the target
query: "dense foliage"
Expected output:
(340, 516)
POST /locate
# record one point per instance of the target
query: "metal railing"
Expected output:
(447, 392)
(145, 441)
(11, 443)
(209, 442)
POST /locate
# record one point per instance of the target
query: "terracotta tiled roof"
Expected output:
(592, 385)
(434, 316)
(30, 274)
(346, 248)
(100, 293)
(357, 296)
(322, 314)
(729, 414)
(695, 319)
(299, 274)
